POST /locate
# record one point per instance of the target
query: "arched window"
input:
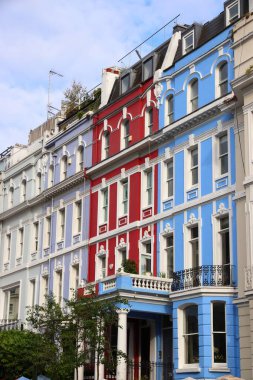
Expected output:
(64, 163)
(170, 109)
(149, 121)
(79, 158)
(125, 134)
(23, 191)
(38, 182)
(223, 79)
(11, 196)
(105, 145)
(194, 95)
(51, 175)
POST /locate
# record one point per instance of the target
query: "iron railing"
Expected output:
(205, 275)
(136, 370)
(147, 370)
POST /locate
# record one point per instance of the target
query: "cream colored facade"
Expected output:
(243, 109)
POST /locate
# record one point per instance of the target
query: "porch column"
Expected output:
(101, 370)
(122, 343)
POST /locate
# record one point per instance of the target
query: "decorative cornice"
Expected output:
(47, 194)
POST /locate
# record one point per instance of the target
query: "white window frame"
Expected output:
(11, 196)
(44, 288)
(58, 286)
(74, 278)
(187, 49)
(168, 179)
(8, 247)
(101, 264)
(230, 20)
(169, 114)
(216, 365)
(125, 133)
(47, 231)
(20, 242)
(105, 149)
(120, 251)
(104, 207)
(216, 160)
(123, 203)
(23, 190)
(38, 183)
(190, 98)
(35, 235)
(220, 82)
(61, 224)
(149, 121)
(80, 158)
(217, 244)
(32, 292)
(164, 253)
(148, 191)
(78, 217)
(64, 167)
(189, 167)
(183, 366)
(50, 178)
(188, 243)
(143, 253)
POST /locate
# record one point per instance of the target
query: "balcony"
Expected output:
(132, 283)
(205, 275)
(10, 324)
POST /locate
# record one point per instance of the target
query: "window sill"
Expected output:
(188, 370)
(219, 369)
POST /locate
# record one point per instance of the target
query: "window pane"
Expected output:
(192, 349)
(148, 248)
(219, 347)
(170, 170)
(233, 12)
(194, 89)
(194, 156)
(191, 319)
(219, 317)
(148, 69)
(169, 241)
(224, 223)
(223, 72)
(195, 178)
(188, 43)
(224, 164)
(223, 144)
(125, 83)
(194, 232)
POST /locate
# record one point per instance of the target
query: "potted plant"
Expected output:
(129, 266)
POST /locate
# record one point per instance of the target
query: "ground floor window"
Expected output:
(219, 333)
(191, 335)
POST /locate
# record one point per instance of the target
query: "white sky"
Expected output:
(76, 38)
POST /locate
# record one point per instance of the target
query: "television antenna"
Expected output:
(50, 108)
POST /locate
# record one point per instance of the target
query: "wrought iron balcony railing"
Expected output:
(149, 370)
(205, 275)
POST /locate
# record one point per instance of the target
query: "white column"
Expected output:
(122, 343)
(101, 369)
(80, 374)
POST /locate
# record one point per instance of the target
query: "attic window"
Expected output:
(188, 42)
(232, 12)
(148, 68)
(125, 83)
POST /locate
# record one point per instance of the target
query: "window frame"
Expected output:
(61, 224)
(122, 85)
(47, 231)
(168, 248)
(188, 49)
(11, 196)
(8, 247)
(186, 335)
(36, 236)
(80, 158)
(104, 202)
(149, 121)
(193, 103)
(50, 176)
(148, 188)
(147, 73)
(224, 154)
(169, 179)
(20, 242)
(147, 255)
(105, 145)
(230, 20)
(125, 133)
(218, 365)
(221, 82)
(64, 167)
(23, 190)
(194, 168)
(169, 109)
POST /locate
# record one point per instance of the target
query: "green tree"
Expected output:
(74, 97)
(23, 353)
(78, 334)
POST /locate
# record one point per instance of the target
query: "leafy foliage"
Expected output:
(130, 266)
(23, 353)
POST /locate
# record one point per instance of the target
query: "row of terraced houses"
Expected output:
(161, 174)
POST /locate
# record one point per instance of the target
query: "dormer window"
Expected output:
(188, 42)
(232, 12)
(125, 83)
(148, 69)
